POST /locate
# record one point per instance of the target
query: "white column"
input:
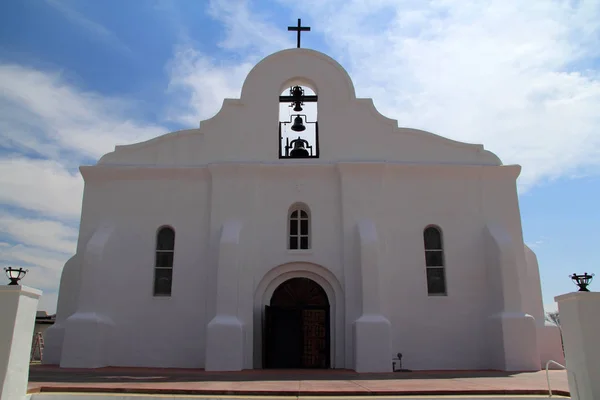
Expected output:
(18, 305)
(580, 322)
(87, 332)
(512, 333)
(225, 332)
(372, 330)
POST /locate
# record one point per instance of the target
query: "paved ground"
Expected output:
(45, 379)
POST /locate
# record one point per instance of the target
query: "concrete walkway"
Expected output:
(45, 379)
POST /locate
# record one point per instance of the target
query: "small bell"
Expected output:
(299, 151)
(297, 92)
(298, 125)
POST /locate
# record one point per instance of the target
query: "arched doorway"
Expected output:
(296, 330)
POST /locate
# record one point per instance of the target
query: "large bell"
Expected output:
(299, 151)
(298, 125)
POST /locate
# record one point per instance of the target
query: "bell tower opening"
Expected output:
(298, 125)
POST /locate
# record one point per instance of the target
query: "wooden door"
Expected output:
(284, 338)
(296, 331)
(315, 338)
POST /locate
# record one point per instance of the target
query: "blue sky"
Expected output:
(79, 76)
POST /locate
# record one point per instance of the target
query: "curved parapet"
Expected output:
(161, 150)
(309, 67)
(350, 128)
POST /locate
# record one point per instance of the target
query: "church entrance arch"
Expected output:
(297, 326)
(339, 354)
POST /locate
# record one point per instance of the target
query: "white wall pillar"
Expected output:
(18, 305)
(512, 333)
(580, 322)
(68, 294)
(372, 330)
(225, 332)
(86, 333)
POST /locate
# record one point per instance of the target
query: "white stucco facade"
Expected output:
(374, 189)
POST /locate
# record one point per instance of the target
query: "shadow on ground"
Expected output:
(50, 373)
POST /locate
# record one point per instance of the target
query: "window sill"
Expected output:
(437, 294)
(300, 252)
(161, 296)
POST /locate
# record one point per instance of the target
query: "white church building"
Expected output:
(321, 236)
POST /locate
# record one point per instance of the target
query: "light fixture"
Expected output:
(582, 281)
(15, 274)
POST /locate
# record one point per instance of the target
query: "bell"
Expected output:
(297, 106)
(298, 125)
(297, 92)
(299, 151)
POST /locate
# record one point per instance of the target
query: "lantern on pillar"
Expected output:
(15, 274)
(582, 281)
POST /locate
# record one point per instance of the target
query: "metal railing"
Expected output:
(568, 372)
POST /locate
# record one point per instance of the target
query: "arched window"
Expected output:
(434, 261)
(299, 228)
(163, 267)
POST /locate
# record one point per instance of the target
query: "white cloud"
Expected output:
(42, 186)
(550, 307)
(42, 233)
(48, 302)
(201, 85)
(516, 76)
(44, 270)
(511, 75)
(246, 28)
(508, 74)
(535, 244)
(48, 127)
(62, 126)
(43, 113)
(44, 266)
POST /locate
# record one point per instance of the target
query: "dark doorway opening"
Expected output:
(296, 333)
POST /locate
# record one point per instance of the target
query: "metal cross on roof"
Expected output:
(299, 29)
